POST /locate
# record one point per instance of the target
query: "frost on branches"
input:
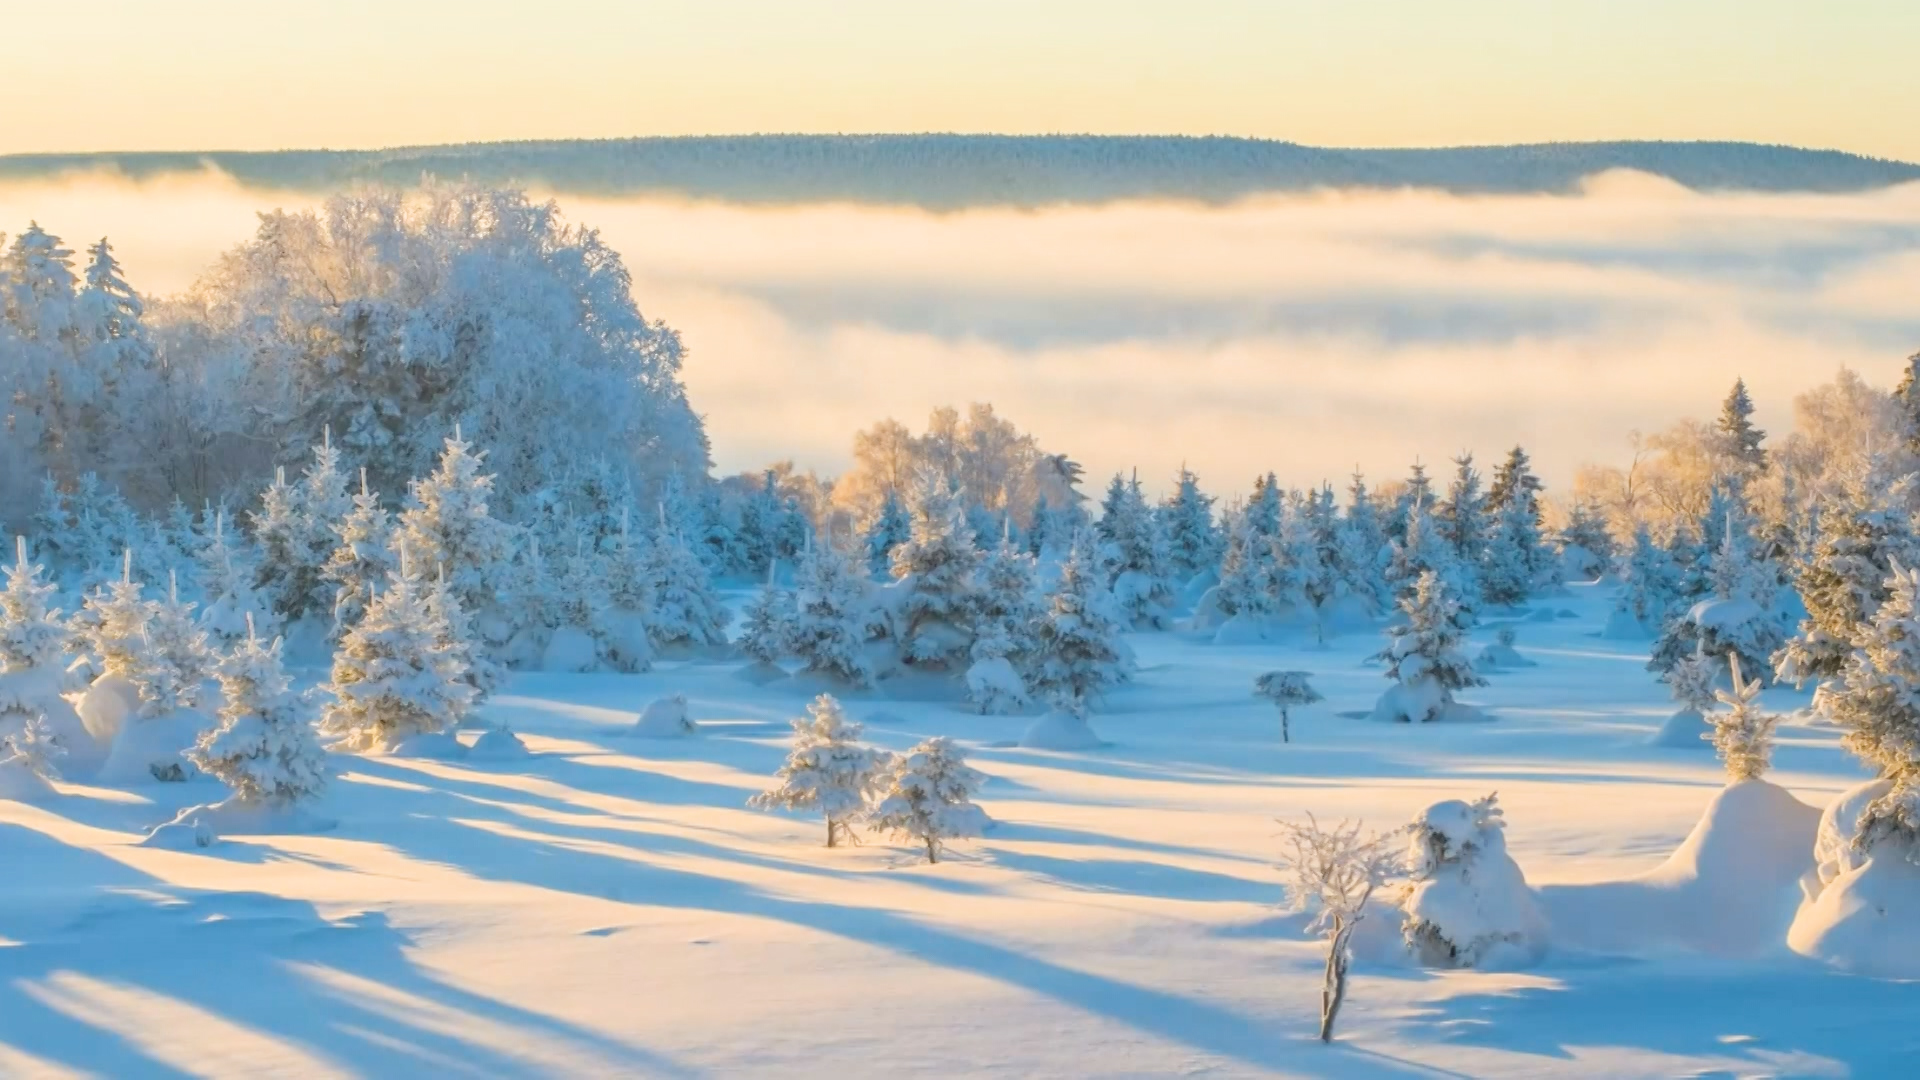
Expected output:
(226, 580)
(1468, 905)
(1424, 657)
(179, 659)
(1743, 735)
(827, 770)
(1334, 872)
(397, 674)
(1877, 702)
(264, 746)
(926, 794)
(833, 603)
(932, 591)
(1077, 649)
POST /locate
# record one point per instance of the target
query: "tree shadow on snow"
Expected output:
(116, 973)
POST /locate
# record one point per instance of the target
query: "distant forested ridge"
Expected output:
(956, 171)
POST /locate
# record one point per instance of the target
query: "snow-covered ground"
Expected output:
(610, 906)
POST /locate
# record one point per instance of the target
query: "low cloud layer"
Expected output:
(1305, 334)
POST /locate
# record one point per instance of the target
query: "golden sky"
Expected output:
(264, 74)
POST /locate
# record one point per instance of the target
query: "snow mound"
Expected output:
(1622, 626)
(434, 746)
(1423, 701)
(1834, 855)
(1469, 904)
(1501, 654)
(107, 705)
(1864, 921)
(1684, 730)
(201, 826)
(996, 686)
(152, 750)
(19, 783)
(1729, 889)
(498, 744)
(666, 718)
(570, 650)
(1060, 729)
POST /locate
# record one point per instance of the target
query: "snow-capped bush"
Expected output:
(926, 794)
(827, 770)
(666, 718)
(1286, 689)
(1468, 905)
(264, 746)
(1501, 653)
(1423, 655)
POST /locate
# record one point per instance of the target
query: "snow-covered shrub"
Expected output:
(1423, 655)
(29, 743)
(1286, 689)
(827, 770)
(767, 633)
(926, 794)
(1468, 904)
(666, 718)
(264, 746)
(179, 660)
(1738, 617)
(1335, 872)
(1077, 650)
(1501, 653)
(1743, 735)
(397, 675)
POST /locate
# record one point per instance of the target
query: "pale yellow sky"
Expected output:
(247, 74)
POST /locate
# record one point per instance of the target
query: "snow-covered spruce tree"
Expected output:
(687, 614)
(1740, 439)
(1194, 543)
(933, 579)
(580, 638)
(1650, 593)
(1424, 656)
(1007, 610)
(1462, 517)
(833, 605)
(1738, 617)
(453, 629)
(1299, 584)
(1363, 551)
(446, 523)
(1335, 872)
(264, 746)
(1077, 650)
(226, 581)
(278, 533)
(1422, 550)
(362, 557)
(889, 529)
(34, 640)
(1512, 561)
(1743, 735)
(179, 659)
(1468, 905)
(396, 674)
(1863, 532)
(827, 770)
(112, 624)
(767, 633)
(1692, 682)
(1286, 689)
(629, 601)
(926, 794)
(1586, 548)
(29, 745)
(1135, 552)
(1877, 702)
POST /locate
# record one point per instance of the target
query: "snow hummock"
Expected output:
(430, 746)
(151, 749)
(1860, 913)
(666, 718)
(1061, 729)
(1686, 729)
(1730, 888)
(106, 706)
(201, 826)
(498, 744)
(20, 783)
(570, 649)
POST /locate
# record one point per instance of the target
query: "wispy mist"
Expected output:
(1306, 334)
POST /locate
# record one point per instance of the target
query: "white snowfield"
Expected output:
(610, 906)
